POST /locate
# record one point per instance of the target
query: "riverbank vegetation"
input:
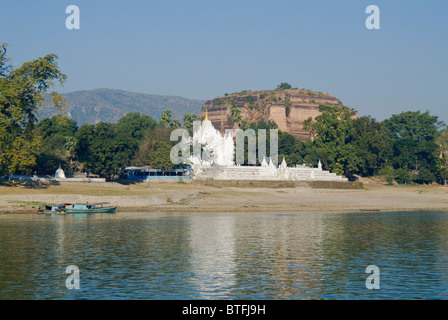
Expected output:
(410, 147)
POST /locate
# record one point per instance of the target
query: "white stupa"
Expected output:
(59, 174)
(218, 150)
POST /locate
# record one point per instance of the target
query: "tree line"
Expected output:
(408, 147)
(104, 148)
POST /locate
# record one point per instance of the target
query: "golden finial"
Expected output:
(206, 114)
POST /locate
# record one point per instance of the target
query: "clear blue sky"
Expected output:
(203, 49)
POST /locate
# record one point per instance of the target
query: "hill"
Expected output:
(109, 105)
(288, 108)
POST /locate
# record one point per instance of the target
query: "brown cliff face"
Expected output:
(287, 108)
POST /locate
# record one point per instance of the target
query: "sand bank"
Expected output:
(193, 197)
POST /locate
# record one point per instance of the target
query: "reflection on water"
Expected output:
(212, 257)
(225, 256)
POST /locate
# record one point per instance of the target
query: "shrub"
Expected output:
(388, 173)
(402, 176)
(424, 176)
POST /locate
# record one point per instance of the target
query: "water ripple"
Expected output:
(226, 256)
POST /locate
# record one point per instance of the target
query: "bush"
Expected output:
(288, 106)
(284, 86)
(250, 99)
(388, 173)
(424, 176)
(402, 176)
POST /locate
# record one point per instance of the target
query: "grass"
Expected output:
(335, 185)
(27, 204)
(92, 190)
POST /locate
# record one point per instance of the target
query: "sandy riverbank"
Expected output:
(192, 197)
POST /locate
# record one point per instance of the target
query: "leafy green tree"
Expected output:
(284, 86)
(188, 120)
(442, 162)
(235, 116)
(175, 123)
(412, 125)
(425, 176)
(20, 95)
(290, 148)
(154, 150)
(58, 144)
(135, 125)
(159, 158)
(388, 173)
(413, 136)
(372, 145)
(165, 118)
(104, 148)
(442, 142)
(167, 121)
(402, 176)
(332, 144)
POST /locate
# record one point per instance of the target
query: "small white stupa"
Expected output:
(59, 173)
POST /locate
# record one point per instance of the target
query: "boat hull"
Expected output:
(50, 212)
(94, 210)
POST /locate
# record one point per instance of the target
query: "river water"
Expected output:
(303, 255)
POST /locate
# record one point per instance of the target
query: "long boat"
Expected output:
(88, 208)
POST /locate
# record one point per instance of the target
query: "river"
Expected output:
(301, 255)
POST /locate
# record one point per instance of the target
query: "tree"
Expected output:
(104, 148)
(413, 136)
(235, 115)
(442, 163)
(175, 123)
(135, 124)
(412, 125)
(20, 95)
(402, 176)
(154, 150)
(332, 144)
(372, 145)
(290, 148)
(442, 142)
(167, 121)
(284, 86)
(58, 144)
(188, 120)
(165, 118)
(159, 158)
(424, 176)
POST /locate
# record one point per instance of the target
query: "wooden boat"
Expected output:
(88, 208)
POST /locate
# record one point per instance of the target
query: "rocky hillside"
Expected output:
(287, 108)
(108, 105)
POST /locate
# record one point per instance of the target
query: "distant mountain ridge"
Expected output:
(109, 105)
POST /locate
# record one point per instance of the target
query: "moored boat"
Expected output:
(88, 208)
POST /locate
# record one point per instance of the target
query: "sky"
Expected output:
(204, 49)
